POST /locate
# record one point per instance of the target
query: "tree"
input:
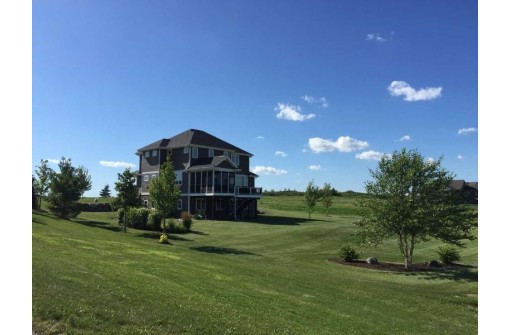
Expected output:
(164, 192)
(44, 173)
(35, 195)
(410, 199)
(66, 187)
(105, 192)
(312, 196)
(326, 196)
(127, 191)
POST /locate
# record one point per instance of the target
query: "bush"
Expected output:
(348, 253)
(164, 239)
(137, 218)
(448, 254)
(186, 219)
(177, 228)
(154, 221)
(94, 207)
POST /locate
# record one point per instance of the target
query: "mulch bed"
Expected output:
(384, 266)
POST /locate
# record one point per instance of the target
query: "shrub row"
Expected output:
(149, 219)
(94, 207)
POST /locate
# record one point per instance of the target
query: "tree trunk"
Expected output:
(164, 225)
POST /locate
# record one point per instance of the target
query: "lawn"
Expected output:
(270, 276)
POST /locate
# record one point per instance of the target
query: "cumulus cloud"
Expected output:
(260, 137)
(291, 112)
(54, 161)
(370, 155)
(314, 167)
(466, 131)
(343, 144)
(397, 88)
(280, 153)
(268, 171)
(308, 98)
(405, 138)
(117, 164)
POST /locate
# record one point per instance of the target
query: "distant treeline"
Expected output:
(290, 192)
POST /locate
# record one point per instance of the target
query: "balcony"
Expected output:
(248, 192)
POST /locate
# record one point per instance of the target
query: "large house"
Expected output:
(467, 190)
(213, 175)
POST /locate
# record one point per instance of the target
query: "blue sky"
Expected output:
(313, 89)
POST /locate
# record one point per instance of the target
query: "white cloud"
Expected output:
(324, 102)
(280, 153)
(54, 161)
(343, 144)
(310, 99)
(268, 171)
(260, 137)
(466, 131)
(291, 112)
(405, 138)
(117, 164)
(397, 88)
(460, 157)
(378, 38)
(314, 167)
(430, 160)
(370, 155)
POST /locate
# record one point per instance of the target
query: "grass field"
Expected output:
(270, 276)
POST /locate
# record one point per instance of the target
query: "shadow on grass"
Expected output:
(197, 232)
(456, 272)
(36, 220)
(97, 224)
(222, 251)
(156, 236)
(280, 220)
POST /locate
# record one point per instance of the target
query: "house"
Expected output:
(468, 190)
(213, 175)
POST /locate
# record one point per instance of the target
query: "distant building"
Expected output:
(467, 190)
(214, 175)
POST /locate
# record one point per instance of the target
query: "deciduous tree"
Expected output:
(127, 191)
(311, 196)
(326, 196)
(409, 199)
(44, 173)
(164, 192)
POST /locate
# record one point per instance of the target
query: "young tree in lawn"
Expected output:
(409, 199)
(105, 192)
(127, 191)
(311, 196)
(66, 188)
(44, 173)
(35, 195)
(164, 192)
(326, 196)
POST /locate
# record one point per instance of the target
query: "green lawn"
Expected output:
(270, 276)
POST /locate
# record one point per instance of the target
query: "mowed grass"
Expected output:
(270, 276)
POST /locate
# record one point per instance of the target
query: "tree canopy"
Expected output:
(105, 192)
(312, 196)
(66, 187)
(409, 198)
(164, 192)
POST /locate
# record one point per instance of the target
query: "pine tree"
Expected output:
(105, 192)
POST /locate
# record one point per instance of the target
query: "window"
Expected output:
(179, 177)
(180, 204)
(241, 180)
(200, 204)
(146, 203)
(211, 153)
(169, 152)
(185, 150)
(155, 153)
(147, 154)
(153, 176)
(235, 159)
(146, 177)
(195, 152)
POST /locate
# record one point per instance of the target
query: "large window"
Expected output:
(195, 152)
(200, 204)
(185, 150)
(155, 153)
(235, 159)
(211, 152)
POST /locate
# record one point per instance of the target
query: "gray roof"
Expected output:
(457, 184)
(193, 137)
(211, 163)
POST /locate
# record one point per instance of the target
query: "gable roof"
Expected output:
(212, 163)
(457, 184)
(193, 137)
